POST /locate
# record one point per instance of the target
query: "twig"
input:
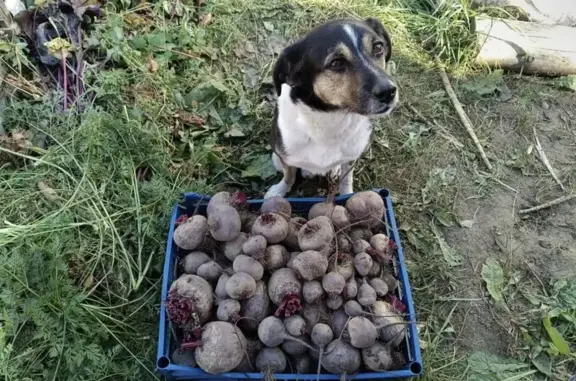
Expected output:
(548, 204)
(545, 160)
(498, 181)
(434, 124)
(462, 114)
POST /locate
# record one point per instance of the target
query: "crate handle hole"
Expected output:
(163, 362)
(384, 193)
(416, 368)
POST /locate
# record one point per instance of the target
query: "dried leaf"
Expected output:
(89, 281)
(234, 133)
(173, 7)
(251, 78)
(190, 119)
(153, 65)
(391, 68)
(205, 19)
(268, 26)
(494, 277)
(135, 20)
(49, 193)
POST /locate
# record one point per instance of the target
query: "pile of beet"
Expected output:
(272, 292)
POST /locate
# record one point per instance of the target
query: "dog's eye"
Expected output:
(378, 49)
(336, 64)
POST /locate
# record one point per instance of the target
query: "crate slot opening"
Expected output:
(163, 362)
(416, 368)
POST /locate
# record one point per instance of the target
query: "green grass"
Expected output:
(81, 261)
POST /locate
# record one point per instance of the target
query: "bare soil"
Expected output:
(541, 246)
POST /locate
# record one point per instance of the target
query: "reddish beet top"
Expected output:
(239, 199)
(182, 314)
(396, 303)
(180, 220)
(291, 305)
(268, 218)
(380, 258)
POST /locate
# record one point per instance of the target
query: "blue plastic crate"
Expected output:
(193, 201)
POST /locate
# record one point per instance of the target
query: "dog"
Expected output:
(330, 85)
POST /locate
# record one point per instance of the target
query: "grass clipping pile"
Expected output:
(274, 293)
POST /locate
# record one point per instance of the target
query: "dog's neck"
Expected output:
(318, 124)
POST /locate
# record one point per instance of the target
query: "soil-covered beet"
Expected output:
(274, 292)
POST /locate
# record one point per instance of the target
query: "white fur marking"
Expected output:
(354, 37)
(350, 32)
(279, 189)
(317, 141)
(346, 183)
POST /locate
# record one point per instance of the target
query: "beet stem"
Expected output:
(65, 87)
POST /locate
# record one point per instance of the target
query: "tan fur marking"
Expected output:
(338, 89)
(367, 42)
(340, 50)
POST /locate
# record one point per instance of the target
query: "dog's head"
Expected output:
(340, 66)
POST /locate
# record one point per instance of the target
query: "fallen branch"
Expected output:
(462, 114)
(545, 160)
(548, 204)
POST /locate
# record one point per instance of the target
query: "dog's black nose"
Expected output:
(384, 92)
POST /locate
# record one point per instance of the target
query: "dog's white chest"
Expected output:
(320, 141)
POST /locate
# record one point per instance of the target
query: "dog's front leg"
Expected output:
(347, 178)
(288, 179)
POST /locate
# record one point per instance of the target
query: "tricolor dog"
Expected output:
(330, 85)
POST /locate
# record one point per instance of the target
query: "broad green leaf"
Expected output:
(567, 82)
(261, 166)
(445, 218)
(557, 339)
(543, 364)
(494, 277)
(488, 364)
(138, 42)
(485, 85)
(450, 255)
(157, 39)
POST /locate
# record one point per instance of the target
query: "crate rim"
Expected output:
(415, 368)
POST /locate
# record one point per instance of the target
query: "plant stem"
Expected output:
(65, 86)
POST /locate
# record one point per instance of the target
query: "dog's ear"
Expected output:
(379, 29)
(287, 67)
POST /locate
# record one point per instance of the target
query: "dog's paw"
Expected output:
(345, 189)
(335, 173)
(306, 174)
(279, 189)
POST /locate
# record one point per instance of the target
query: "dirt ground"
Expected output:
(538, 248)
